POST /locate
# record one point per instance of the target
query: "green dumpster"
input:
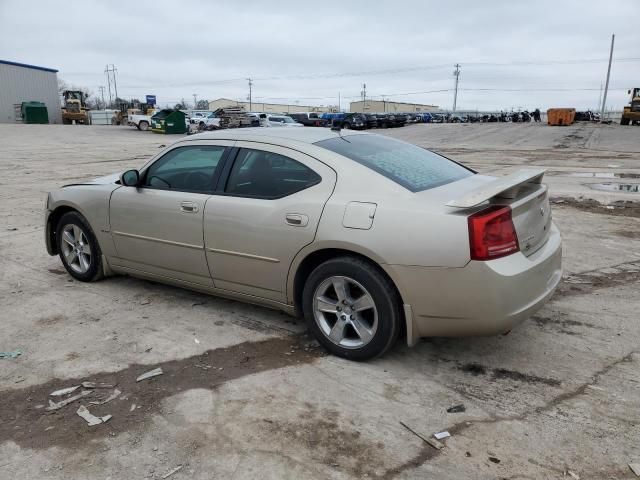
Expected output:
(34, 112)
(169, 121)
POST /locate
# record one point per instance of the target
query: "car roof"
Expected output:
(304, 135)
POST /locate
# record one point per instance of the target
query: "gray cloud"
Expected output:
(311, 51)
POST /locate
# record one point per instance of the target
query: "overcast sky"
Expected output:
(310, 52)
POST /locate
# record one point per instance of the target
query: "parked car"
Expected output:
(398, 119)
(268, 120)
(309, 119)
(411, 118)
(355, 121)
(438, 118)
(425, 117)
(419, 244)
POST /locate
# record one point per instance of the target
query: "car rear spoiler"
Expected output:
(503, 187)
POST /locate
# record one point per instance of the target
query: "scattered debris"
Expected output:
(457, 409)
(467, 454)
(133, 407)
(195, 304)
(434, 443)
(197, 341)
(146, 301)
(494, 459)
(171, 472)
(14, 354)
(573, 475)
(97, 385)
(64, 391)
(116, 393)
(150, 374)
(441, 435)
(635, 468)
(67, 401)
(91, 419)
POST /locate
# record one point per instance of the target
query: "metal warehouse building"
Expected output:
(265, 107)
(381, 106)
(28, 83)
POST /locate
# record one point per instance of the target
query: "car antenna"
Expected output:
(335, 127)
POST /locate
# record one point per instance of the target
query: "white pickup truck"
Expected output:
(140, 120)
(208, 122)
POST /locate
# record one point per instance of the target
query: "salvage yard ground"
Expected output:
(245, 394)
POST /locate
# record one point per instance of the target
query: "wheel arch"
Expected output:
(52, 222)
(307, 260)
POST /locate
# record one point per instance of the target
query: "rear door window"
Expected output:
(261, 174)
(413, 167)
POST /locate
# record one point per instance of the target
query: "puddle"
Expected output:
(616, 187)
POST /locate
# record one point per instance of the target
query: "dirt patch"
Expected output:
(632, 234)
(618, 208)
(50, 320)
(57, 271)
(332, 442)
(27, 423)
(502, 373)
(563, 325)
(586, 282)
(476, 369)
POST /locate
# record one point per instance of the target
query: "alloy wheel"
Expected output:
(75, 248)
(345, 312)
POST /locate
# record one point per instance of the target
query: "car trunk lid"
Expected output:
(528, 199)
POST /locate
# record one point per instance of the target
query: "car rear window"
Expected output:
(413, 167)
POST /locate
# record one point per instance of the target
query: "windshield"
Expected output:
(414, 168)
(288, 120)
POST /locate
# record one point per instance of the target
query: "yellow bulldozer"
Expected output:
(631, 113)
(75, 108)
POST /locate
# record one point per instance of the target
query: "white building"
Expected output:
(266, 107)
(381, 106)
(28, 83)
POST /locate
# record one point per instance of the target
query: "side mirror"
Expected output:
(130, 178)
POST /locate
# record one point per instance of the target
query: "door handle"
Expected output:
(189, 207)
(296, 219)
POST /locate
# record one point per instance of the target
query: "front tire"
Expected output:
(352, 308)
(78, 248)
(143, 125)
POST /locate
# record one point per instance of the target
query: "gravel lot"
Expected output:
(245, 394)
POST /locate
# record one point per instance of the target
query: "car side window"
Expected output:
(261, 174)
(186, 169)
(313, 115)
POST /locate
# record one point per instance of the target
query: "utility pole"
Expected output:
(600, 97)
(364, 97)
(456, 73)
(250, 94)
(106, 72)
(606, 84)
(195, 101)
(101, 87)
(115, 85)
(339, 102)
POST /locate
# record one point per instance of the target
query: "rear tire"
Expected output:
(352, 308)
(143, 125)
(78, 248)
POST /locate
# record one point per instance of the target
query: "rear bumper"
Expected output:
(482, 298)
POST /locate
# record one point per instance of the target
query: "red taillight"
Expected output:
(492, 233)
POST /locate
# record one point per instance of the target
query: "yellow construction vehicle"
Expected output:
(631, 114)
(75, 107)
